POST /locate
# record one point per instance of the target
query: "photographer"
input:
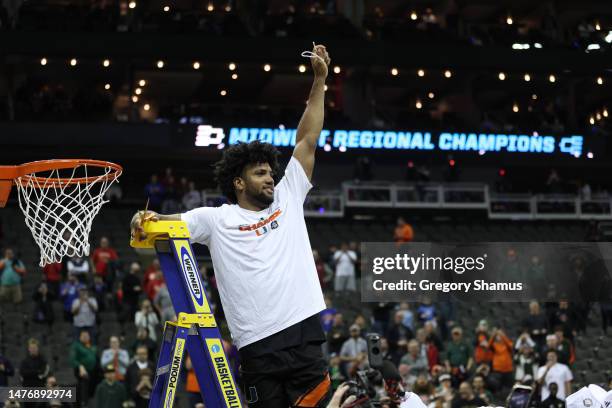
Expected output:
(12, 271)
(336, 401)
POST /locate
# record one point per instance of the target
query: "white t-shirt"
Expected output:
(345, 263)
(560, 374)
(263, 261)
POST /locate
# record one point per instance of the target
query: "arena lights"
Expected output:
(107, 86)
(597, 26)
(394, 71)
(134, 99)
(501, 76)
(534, 97)
(600, 81)
(196, 65)
(592, 120)
(509, 20)
(448, 73)
(431, 95)
(302, 68)
(598, 116)
(132, 4)
(537, 45)
(605, 112)
(527, 77)
(590, 155)
(232, 66)
(234, 76)
(342, 149)
(337, 69)
(160, 64)
(421, 72)
(211, 7)
(166, 8)
(327, 148)
(515, 108)
(552, 79)
(106, 63)
(414, 16)
(43, 61)
(418, 104)
(267, 67)
(142, 82)
(73, 62)
(146, 107)
(325, 88)
(137, 91)
(223, 92)
(228, 8)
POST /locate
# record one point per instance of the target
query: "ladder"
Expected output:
(195, 330)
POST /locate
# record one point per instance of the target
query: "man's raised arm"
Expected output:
(311, 124)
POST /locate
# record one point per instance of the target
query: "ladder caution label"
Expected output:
(224, 375)
(175, 370)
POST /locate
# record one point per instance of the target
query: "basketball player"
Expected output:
(263, 262)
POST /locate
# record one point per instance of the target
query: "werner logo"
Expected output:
(191, 274)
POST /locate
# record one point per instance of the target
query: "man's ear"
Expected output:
(238, 184)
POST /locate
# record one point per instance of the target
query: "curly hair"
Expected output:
(236, 157)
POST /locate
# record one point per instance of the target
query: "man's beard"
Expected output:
(261, 199)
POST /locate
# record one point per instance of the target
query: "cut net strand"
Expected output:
(60, 213)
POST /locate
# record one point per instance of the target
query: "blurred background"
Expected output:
(135, 82)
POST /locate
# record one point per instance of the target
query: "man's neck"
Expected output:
(251, 206)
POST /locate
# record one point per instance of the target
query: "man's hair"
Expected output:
(237, 157)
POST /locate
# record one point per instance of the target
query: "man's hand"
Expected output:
(319, 65)
(337, 398)
(136, 228)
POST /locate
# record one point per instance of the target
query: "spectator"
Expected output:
(143, 339)
(467, 398)
(99, 291)
(482, 351)
(83, 358)
(427, 312)
(192, 198)
(79, 267)
(386, 353)
(458, 360)
(398, 334)
(337, 335)
(354, 351)
(151, 273)
(416, 362)
(552, 343)
(445, 392)
(154, 284)
(117, 357)
(408, 316)
(431, 350)
(103, 260)
(12, 271)
(403, 231)
(147, 318)
(525, 362)
(191, 386)
(53, 276)
(43, 308)
(69, 292)
(327, 315)
(132, 290)
(502, 369)
(154, 191)
(536, 324)
(552, 401)
(6, 370)
(345, 260)
(324, 272)
(478, 385)
(135, 383)
(84, 309)
(110, 393)
(554, 372)
(163, 304)
(34, 368)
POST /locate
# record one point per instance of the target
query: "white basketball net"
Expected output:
(60, 214)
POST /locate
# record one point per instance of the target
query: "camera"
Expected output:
(519, 397)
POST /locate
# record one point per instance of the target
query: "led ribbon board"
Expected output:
(400, 140)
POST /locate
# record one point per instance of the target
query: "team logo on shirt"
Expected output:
(264, 225)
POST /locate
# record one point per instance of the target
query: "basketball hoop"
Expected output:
(59, 199)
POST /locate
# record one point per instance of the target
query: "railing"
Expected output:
(468, 196)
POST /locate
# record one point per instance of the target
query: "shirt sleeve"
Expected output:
(200, 223)
(296, 181)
